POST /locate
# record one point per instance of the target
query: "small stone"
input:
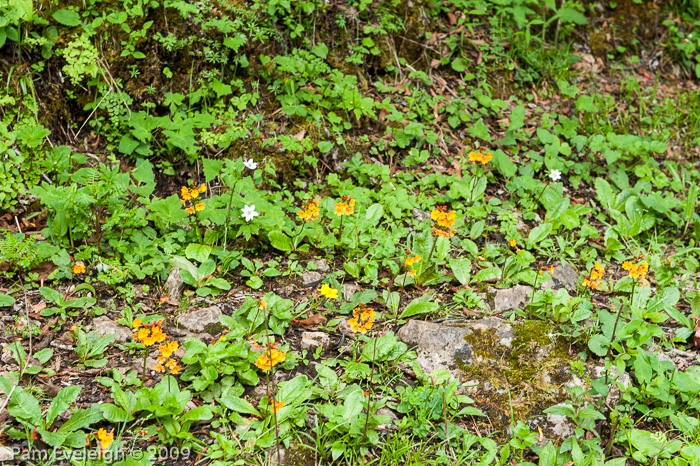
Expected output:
(420, 215)
(312, 340)
(512, 298)
(321, 265)
(190, 406)
(388, 413)
(564, 275)
(560, 426)
(198, 321)
(502, 329)
(6, 454)
(350, 289)
(7, 357)
(174, 285)
(106, 326)
(151, 363)
(439, 346)
(311, 278)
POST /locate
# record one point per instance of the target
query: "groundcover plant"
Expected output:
(350, 232)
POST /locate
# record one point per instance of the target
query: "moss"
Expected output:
(526, 378)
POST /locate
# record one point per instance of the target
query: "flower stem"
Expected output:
(228, 214)
(432, 249)
(617, 320)
(371, 376)
(143, 372)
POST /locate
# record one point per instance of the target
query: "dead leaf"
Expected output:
(313, 321)
(300, 135)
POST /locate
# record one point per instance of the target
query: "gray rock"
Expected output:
(560, 426)
(312, 340)
(7, 357)
(174, 285)
(311, 278)
(512, 298)
(439, 346)
(6, 454)
(321, 265)
(199, 320)
(564, 275)
(151, 363)
(190, 406)
(502, 329)
(106, 326)
(350, 289)
(420, 215)
(387, 412)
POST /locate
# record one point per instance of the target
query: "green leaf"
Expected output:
(25, 407)
(62, 401)
(167, 210)
(239, 405)
(548, 455)
(570, 15)
(599, 345)
(6, 300)
(67, 17)
(461, 267)
(198, 252)
(539, 233)
(480, 130)
(374, 213)
(459, 65)
(113, 413)
(419, 306)
(279, 240)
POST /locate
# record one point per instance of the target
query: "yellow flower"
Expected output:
(136, 323)
(328, 292)
(276, 405)
(151, 335)
(412, 272)
(73, 329)
(78, 268)
(199, 206)
(443, 221)
(512, 243)
(596, 274)
(262, 304)
(310, 212)
(271, 357)
(185, 194)
(190, 210)
(486, 158)
(106, 438)
(475, 156)
(173, 366)
(345, 207)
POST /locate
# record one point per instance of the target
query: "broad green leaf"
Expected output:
(67, 17)
(461, 267)
(539, 233)
(6, 300)
(61, 402)
(198, 252)
(279, 240)
(419, 306)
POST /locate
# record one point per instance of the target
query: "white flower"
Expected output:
(555, 175)
(249, 212)
(250, 164)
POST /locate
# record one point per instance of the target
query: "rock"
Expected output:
(350, 289)
(512, 298)
(7, 356)
(106, 326)
(312, 340)
(6, 454)
(174, 285)
(439, 346)
(190, 406)
(553, 425)
(311, 278)
(198, 321)
(388, 413)
(503, 330)
(420, 215)
(151, 363)
(564, 275)
(624, 379)
(321, 265)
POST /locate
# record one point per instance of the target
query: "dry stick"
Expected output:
(267, 388)
(371, 376)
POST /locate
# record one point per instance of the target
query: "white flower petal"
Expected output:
(555, 175)
(248, 212)
(250, 163)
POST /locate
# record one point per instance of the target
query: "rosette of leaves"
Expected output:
(200, 277)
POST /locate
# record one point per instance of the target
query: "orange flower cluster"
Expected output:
(149, 335)
(362, 320)
(105, 438)
(276, 405)
(165, 360)
(79, 267)
(596, 274)
(409, 264)
(480, 157)
(637, 270)
(271, 357)
(443, 221)
(189, 196)
(345, 207)
(310, 212)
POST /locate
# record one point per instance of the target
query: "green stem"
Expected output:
(371, 389)
(143, 372)
(228, 215)
(430, 255)
(617, 320)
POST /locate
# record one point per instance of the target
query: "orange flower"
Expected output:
(199, 206)
(412, 260)
(596, 273)
(512, 243)
(345, 207)
(271, 357)
(262, 304)
(276, 405)
(362, 320)
(79, 267)
(310, 212)
(443, 221)
(480, 157)
(106, 438)
(168, 349)
(150, 335)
